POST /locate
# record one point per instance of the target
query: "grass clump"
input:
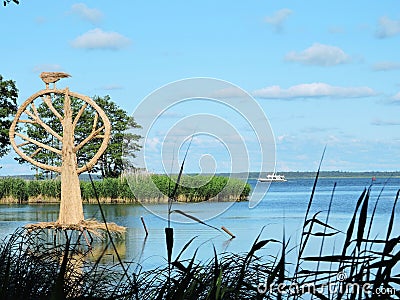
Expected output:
(34, 267)
(192, 188)
(152, 188)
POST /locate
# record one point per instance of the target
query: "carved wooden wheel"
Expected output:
(28, 113)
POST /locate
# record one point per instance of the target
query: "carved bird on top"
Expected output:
(52, 77)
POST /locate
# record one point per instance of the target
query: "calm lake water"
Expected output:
(283, 206)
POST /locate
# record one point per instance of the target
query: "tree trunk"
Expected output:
(71, 208)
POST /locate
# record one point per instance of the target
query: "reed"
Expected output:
(152, 188)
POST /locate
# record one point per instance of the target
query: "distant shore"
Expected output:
(324, 174)
(341, 174)
(256, 175)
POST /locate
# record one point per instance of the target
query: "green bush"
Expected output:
(51, 188)
(34, 188)
(15, 188)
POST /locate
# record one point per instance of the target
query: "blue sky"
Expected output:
(324, 73)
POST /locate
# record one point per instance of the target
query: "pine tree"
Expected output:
(8, 107)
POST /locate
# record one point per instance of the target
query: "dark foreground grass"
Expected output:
(35, 265)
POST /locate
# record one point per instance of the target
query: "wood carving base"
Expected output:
(92, 226)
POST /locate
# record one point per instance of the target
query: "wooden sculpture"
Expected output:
(71, 208)
(52, 77)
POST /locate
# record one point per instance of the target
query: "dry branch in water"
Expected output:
(90, 225)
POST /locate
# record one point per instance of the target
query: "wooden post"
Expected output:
(228, 232)
(144, 226)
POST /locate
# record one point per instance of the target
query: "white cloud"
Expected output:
(231, 92)
(40, 20)
(170, 115)
(333, 139)
(336, 30)
(92, 15)
(320, 55)
(99, 39)
(396, 97)
(278, 18)
(316, 89)
(153, 144)
(316, 129)
(111, 87)
(386, 66)
(378, 122)
(284, 138)
(47, 68)
(387, 28)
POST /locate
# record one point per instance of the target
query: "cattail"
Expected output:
(228, 232)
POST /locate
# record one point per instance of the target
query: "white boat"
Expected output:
(272, 177)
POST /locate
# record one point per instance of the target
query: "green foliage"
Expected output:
(34, 188)
(110, 188)
(142, 187)
(203, 188)
(8, 107)
(123, 144)
(51, 188)
(19, 190)
(15, 188)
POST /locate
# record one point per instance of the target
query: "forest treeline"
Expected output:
(129, 189)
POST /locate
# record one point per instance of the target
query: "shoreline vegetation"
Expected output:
(129, 189)
(256, 175)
